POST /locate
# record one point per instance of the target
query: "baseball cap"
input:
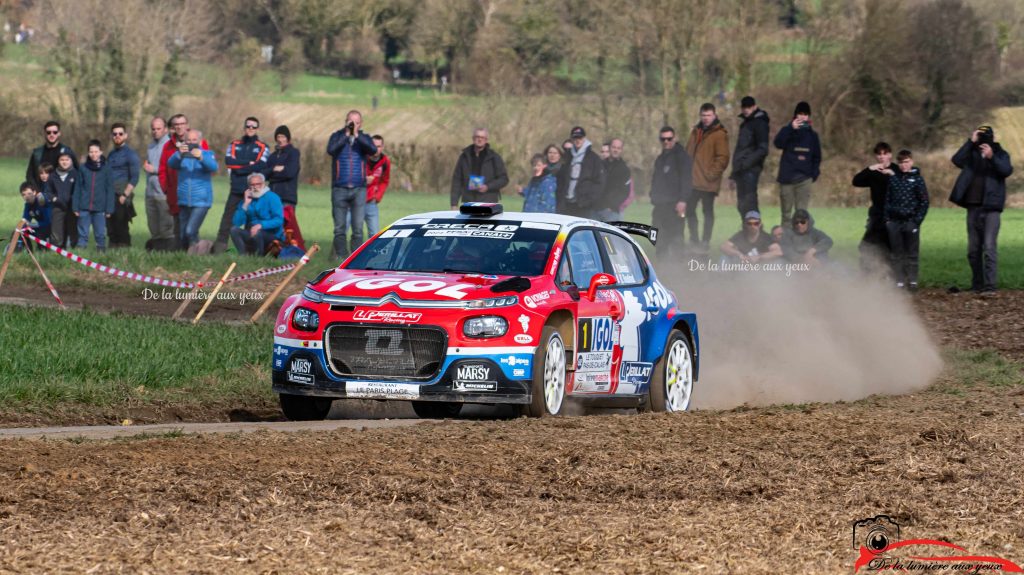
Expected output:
(578, 132)
(752, 215)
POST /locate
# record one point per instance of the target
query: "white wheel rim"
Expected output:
(678, 377)
(554, 374)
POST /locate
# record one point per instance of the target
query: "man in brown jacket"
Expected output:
(709, 148)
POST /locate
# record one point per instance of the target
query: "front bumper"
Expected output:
(499, 375)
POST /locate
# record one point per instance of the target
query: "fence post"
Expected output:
(281, 286)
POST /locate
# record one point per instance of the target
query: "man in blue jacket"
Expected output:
(800, 165)
(125, 167)
(981, 188)
(349, 147)
(259, 219)
(244, 156)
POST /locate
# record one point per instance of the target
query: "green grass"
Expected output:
(97, 359)
(943, 236)
(971, 368)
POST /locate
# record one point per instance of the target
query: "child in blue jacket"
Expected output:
(93, 200)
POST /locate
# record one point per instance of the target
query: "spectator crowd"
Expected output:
(66, 197)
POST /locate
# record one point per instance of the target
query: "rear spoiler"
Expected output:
(643, 230)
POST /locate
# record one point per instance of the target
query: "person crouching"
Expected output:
(258, 220)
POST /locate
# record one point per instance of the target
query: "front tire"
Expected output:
(672, 383)
(436, 409)
(305, 408)
(548, 387)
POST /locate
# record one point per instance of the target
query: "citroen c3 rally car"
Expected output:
(480, 306)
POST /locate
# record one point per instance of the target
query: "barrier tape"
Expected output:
(150, 279)
(106, 269)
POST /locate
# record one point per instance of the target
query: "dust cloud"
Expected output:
(810, 337)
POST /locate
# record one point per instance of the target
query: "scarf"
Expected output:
(576, 167)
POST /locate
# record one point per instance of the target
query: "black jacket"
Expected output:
(589, 185)
(60, 192)
(284, 183)
(243, 157)
(618, 179)
(46, 155)
(879, 184)
(671, 180)
(801, 154)
(492, 169)
(751, 144)
(999, 168)
(907, 200)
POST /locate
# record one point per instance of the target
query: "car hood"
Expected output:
(408, 286)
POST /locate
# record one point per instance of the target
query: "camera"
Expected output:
(876, 533)
(193, 147)
(985, 138)
(351, 127)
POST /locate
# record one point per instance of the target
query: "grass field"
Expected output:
(943, 240)
(103, 360)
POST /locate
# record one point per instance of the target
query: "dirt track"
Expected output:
(770, 490)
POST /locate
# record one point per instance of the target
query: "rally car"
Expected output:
(480, 306)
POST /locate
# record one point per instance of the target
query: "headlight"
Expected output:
(486, 326)
(312, 295)
(305, 319)
(494, 302)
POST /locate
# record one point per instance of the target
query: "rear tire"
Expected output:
(436, 409)
(672, 383)
(305, 408)
(549, 376)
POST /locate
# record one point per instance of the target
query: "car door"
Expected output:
(595, 319)
(623, 260)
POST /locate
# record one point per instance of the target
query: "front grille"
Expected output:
(385, 351)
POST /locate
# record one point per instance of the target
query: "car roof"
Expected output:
(558, 219)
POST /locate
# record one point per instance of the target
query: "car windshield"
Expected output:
(461, 246)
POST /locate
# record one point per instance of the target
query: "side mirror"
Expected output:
(598, 281)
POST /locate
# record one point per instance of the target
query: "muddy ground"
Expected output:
(766, 490)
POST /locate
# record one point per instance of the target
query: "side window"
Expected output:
(627, 267)
(585, 257)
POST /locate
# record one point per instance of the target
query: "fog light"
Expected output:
(486, 326)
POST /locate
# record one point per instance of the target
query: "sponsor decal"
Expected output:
(532, 301)
(387, 316)
(300, 370)
(523, 338)
(524, 320)
(278, 350)
(592, 382)
(476, 386)
(281, 328)
(495, 227)
(518, 372)
(596, 334)
(554, 261)
(594, 361)
(513, 360)
(635, 372)
(469, 234)
(382, 389)
(454, 291)
(657, 296)
(473, 373)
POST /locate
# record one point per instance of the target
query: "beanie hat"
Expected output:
(802, 108)
(283, 130)
(987, 130)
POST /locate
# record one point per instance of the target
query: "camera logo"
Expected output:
(876, 533)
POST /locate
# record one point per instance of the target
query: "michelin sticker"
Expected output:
(474, 378)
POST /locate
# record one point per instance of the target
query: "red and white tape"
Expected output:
(150, 279)
(107, 269)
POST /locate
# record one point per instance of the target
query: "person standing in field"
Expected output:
(618, 184)
(749, 155)
(95, 198)
(539, 193)
(670, 190)
(244, 156)
(158, 213)
(124, 169)
(874, 246)
(349, 147)
(283, 167)
(195, 167)
(906, 205)
(581, 180)
(709, 147)
(48, 153)
(981, 188)
(60, 190)
(479, 174)
(378, 177)
(169, 176)
(800, 164)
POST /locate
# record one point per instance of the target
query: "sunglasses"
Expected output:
(754, 223)
(669, 139)
(52, 132)
(800, 222)
(116, 133)
(251, 127)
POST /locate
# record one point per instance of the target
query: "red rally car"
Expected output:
(480, 306)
